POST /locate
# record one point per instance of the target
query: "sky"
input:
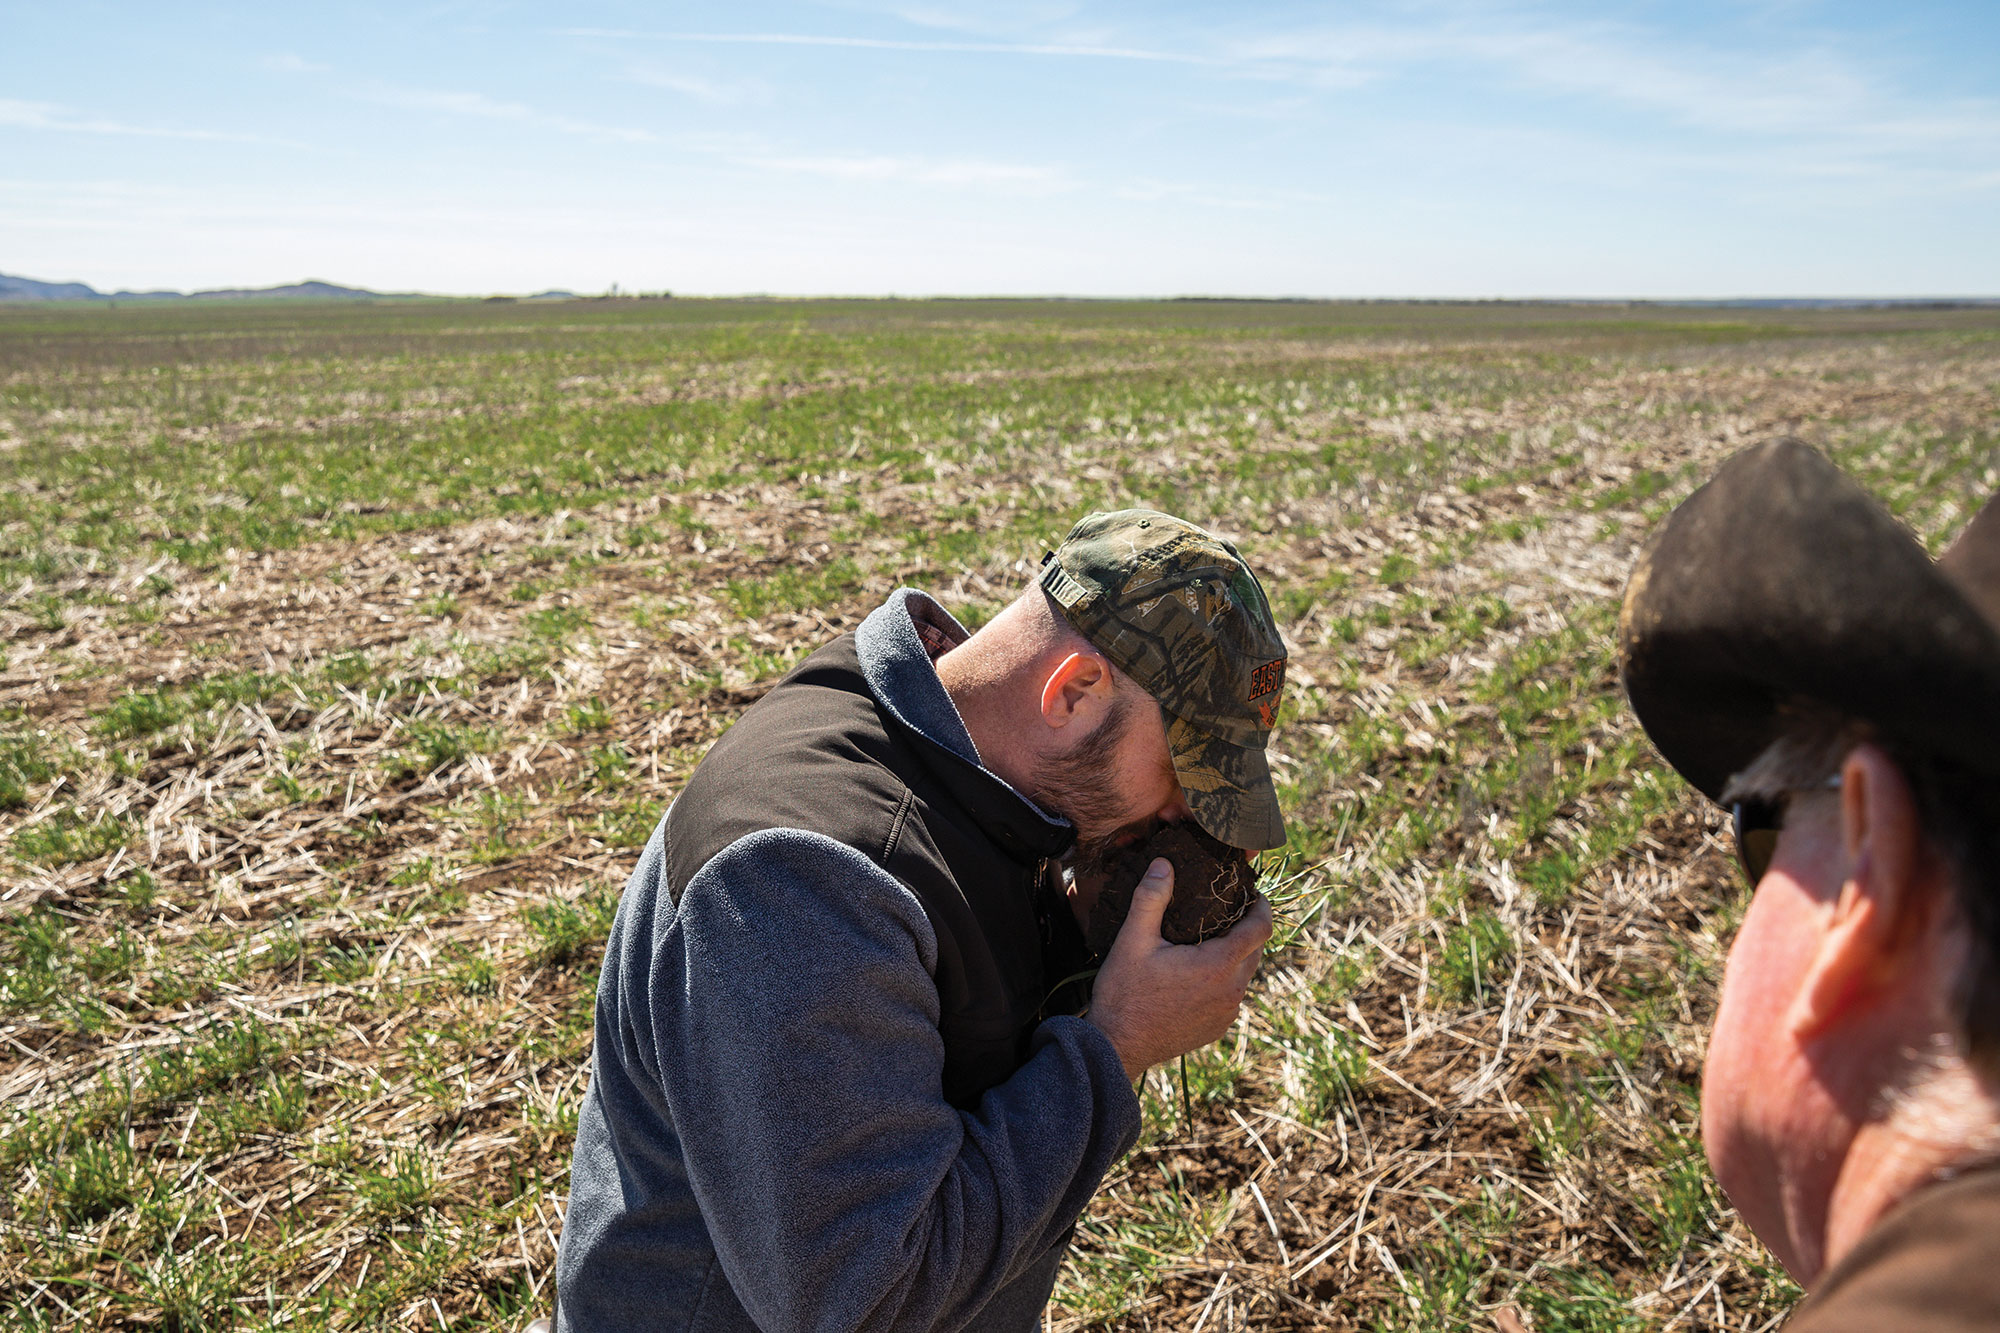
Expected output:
(1436, 148)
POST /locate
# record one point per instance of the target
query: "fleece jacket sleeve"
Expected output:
(796, 1031)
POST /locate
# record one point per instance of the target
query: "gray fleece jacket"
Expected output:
(765, 1143)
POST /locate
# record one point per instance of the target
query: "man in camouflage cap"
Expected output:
(839, 1080)
(1177, 610)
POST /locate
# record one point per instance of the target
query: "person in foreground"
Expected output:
(1793, 652)
(839, 1078)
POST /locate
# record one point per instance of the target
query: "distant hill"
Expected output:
(27, 289)
(311, 289)
(30, 289)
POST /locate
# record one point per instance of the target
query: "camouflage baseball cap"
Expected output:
(1177, 610)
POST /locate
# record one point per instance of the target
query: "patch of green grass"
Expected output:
(1209, 1076)
(1347, 629)
(28, 758)
(1446, 1278)
(93, 1177)
(1323, 1067)
(406, 1183)
(1396, 570)
(432, 745)
(610, 767)
(1640, 487)
(233, 687)
(1563, 1121)
(590, 715)
(343, 963)
(1292, 600)
(1552, 875)
(293, 790)
(351, 669)
(478, 975)
(194, 1292)
(49, 613)
(795, 587)
(630, 822)
(65, 837)
(555, 624)
(139, 713)
(423, 870)
(497, 814)
(1117, 1255)
(1578, 1300)
(219, 1055)
(1685, 1208)
(1476, 952)
(141, 890)
(559, 930)
(280, 1104)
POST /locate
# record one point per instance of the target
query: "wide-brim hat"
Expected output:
(1782, 585)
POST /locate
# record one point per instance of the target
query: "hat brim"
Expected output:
(1228, 787)
(1782, 584)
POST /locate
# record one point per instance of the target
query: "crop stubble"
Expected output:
(321, 803)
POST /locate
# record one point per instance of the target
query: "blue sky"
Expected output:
(1394, 149)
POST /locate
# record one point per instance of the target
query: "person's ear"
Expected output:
(1079, 686)
(1875, 929)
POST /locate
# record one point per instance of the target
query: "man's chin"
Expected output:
(1747, 1170)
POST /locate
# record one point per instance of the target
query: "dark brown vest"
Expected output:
(1931, 1263)
(818, 754)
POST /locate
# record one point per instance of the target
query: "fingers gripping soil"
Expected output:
(1157, 1000)
(1214, 885)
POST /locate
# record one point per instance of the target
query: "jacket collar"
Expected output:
(903, 678)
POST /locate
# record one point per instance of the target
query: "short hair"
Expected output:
(1959, 810)
(1059, 632)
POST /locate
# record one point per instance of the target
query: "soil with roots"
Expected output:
(1214, 885)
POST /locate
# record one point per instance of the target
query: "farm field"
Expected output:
(349, 653)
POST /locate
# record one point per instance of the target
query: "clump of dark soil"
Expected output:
(1213, 886)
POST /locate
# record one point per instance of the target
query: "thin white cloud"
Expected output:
(982, 21)
(482, 107)
(1829, 107)
(1013, 178)
(286, 62)
(894, 44)
(1183, 194)
(756, 151)
(1811, 99)
(923, 171)
(62, 120)
(710, 91)
(471, 104)
(1807, 93)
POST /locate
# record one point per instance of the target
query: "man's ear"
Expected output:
(1875, 930)
(1078, 688)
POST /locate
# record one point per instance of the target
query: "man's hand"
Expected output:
(1157, 1000)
